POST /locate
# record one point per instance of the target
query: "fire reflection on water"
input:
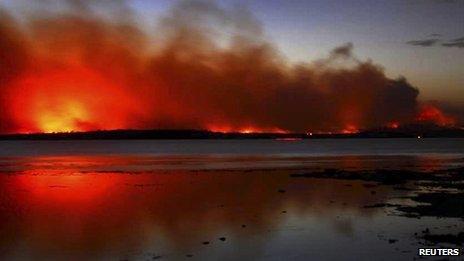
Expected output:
(51, 212)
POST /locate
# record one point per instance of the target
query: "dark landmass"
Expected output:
(442, 199)
(441, 178)
(437, 204)
(424, 130)
(146, 134)
(407, 131)
(434, 239)
(436, 194)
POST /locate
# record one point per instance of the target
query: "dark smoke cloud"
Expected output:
(14, 58)
(423, 43)
(203, 66)
(448, 1)
(458, 42)
(345, 51)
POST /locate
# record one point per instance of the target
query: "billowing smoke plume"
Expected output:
(92, 66)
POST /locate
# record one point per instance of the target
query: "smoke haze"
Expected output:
(91, 66)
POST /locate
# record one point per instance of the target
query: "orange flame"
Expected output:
(69, 100)
(430, 113)
(393, 125)
(245, 129)
(350, 129)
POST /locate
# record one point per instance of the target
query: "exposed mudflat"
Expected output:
(436, 194)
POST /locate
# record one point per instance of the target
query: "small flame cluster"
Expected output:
(432, 114)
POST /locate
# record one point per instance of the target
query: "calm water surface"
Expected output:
(310, 147)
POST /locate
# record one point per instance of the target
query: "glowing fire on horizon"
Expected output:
(244, 130)
(70, 100)
(430, 113)
(65, 72)
(80, 100)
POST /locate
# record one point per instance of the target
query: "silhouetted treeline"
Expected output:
(407, 131)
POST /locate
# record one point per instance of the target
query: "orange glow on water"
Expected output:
(65, 189)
